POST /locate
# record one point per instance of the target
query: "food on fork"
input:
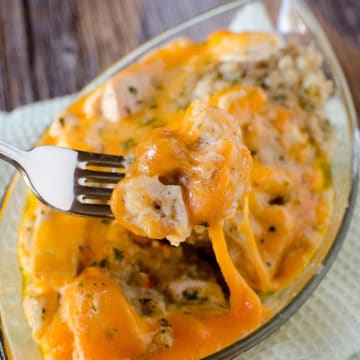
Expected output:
(227, 196)
(205, 158)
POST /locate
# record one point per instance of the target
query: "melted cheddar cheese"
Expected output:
(227, 158)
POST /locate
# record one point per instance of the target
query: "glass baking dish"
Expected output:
(290, 20)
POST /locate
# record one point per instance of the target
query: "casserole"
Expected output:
(285, 302)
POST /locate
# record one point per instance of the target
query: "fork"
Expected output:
(68, 180)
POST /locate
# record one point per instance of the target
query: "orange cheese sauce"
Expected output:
(230, 138)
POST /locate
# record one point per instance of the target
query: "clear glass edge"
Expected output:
(280, 318)
(4, 346)
(295, 304)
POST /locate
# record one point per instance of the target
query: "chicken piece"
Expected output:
(62, 129)
(227, 46)
(104, 324)
(205, 158)
(57, 342)
(220, 173)
(192, 292)
(149, 208)
(55, 254)
(92, 104)
(127, 91)
(40, 308)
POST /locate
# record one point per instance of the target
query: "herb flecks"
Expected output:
(133, 90)
(279, 97)
(165, 323)
(147, 121)
(156, 205)
(147, 306)
(127, 110)
(61, 121)
(261, 83)
(194, 296)
(128, 143)
(118, 254)
(190, 295)
(278, 200)
(307, 106)
(104, 263)
(157, 85)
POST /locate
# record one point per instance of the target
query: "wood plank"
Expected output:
(15, 71)
(3, 72)
(50, 48)
(160, 15)
(341, 22)
(55, 47)
(105, 33)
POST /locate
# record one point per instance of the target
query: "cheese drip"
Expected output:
(216, 331)
(212, 166)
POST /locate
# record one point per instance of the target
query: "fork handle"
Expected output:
(12, 155)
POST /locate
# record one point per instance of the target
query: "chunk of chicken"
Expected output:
(150, 208)
(205, 157)
(192, 292)
(40, 309)
(226, 45)
(126, 92)
(92, 104)
(105, 325)
(220, 172)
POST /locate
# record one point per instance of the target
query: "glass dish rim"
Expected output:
(282, 316)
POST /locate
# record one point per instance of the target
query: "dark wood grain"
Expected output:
(54, 47)
(341, 22)
(15, 84)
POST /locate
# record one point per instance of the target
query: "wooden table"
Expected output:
(53, 47)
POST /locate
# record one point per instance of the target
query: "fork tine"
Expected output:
(94, 187)
(92, 210)
(95, 193)
(87, 158)
(98, 176)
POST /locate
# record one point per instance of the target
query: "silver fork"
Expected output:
(72, 181)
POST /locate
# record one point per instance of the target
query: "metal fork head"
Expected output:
(95, 178)
(73, 181)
